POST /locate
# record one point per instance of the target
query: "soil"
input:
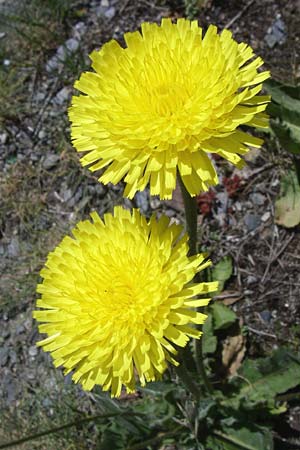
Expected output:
(44, 191)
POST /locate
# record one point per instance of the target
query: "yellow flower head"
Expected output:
(118, 298)
(164, 103)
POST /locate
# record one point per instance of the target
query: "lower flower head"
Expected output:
(164, 103)
(118, 298)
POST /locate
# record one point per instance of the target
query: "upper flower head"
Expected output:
(118, 298)
(164, 102)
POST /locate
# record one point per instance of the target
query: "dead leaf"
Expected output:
(287, 208)
(233, 352)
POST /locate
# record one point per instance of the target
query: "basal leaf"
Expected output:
(242, 438)
(223, 316)
(222, 272)
(267, 377)
(209, 340)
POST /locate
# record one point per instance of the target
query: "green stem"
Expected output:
(155, 440)
(297, 166)
(188, 381)
(65, 426)
(190, 206)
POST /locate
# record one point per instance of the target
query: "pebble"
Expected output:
(276, 33)
(62, 96)
(266, 216)
(33, 351)
(258, 199)
(251, 279)
(170, 213)
(154, 202)
(3, 356)
(12, 356)
(13, 248)
(2, 34)
(238, 206)
(3, 138)
(105, 3)
(42, 134)
(142, 201)
(266, 316)
(78, 30)
(110, 12)
(252, 221)
(50, 161)
(11, 391)
(63, 51)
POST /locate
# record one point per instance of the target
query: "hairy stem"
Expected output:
(190, 207)
(65, 426)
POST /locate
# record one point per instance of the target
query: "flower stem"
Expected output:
(187, 380)
(190, 207)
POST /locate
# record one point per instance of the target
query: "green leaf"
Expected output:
(286, 96)
(209, 341)
(287, 207)
(205, 405)
(267, 377)
(222, 272)
(242, 438)
(288, 135)
(223, 317)
(285, 110)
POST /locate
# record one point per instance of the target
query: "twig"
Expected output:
(227, 295)
(276, 256)
(75, 423)
(44, 107)
(123, 7)
(239, 14)
(271, 256)
(261, 333)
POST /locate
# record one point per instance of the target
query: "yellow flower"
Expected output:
(118, 298)
(164, 103)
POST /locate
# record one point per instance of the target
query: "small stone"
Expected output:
(154, 202)
(12, 356)
(258, 199)
(170, 213)
(222, 198)
(2, 34)
(42, 134)
(276, 33)
(67, 194)
(110, 13)
(252, 221)
(3, 138)
(6, 62)
(62, 96)
(266, 316)
(33, 351)
(251, 279)
(11, 391)
(72, 45)
(20, 329)
(79, 30)
(142, 201)
(238, 206)
(266, 216)
(50, 161)
(53, 64)
(13, 248)
(3, 356)
(105, 3)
